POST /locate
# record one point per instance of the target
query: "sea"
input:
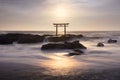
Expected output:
(56, 60)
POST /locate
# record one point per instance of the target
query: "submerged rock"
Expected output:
(112, 41)
(76, 52)
(100, 45)
(63, 45)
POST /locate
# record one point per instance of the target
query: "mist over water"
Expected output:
(56, 62)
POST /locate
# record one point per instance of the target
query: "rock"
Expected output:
(20, 38)
(100, 45)
(59, 39)
(64, 38)
(4, 40)
(9, 38)
(112, 41)
(74, 53)
(77, 45)
(47, 35)
(72, 36)
(77, 50)
(80, 36)
(28, 38)
(63, 45)
(52, 46)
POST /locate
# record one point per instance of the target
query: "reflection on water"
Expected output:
(60, 65)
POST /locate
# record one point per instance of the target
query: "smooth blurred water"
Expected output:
(57, 62)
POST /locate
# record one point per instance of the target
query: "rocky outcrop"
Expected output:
(64, 38)
(75, 36)
(100, 45)
(9, 38)
(28, 38)
(20, 38)
(63, 45)
(59, 39)
(112, 41)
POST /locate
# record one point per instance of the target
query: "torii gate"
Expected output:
(60, 25)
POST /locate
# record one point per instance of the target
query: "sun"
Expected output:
(61, 12)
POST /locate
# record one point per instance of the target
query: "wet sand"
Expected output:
(19, 71)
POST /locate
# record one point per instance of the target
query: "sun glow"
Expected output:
(61, 12)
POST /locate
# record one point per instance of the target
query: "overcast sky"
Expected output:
(40, 14)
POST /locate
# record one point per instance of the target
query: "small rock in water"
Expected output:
(76, 52)
(112, 41)
(100, 45)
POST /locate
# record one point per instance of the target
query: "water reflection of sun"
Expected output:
(60, 65)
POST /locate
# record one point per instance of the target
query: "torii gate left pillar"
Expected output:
(61, 25)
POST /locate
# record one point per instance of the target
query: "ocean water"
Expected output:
(56, 62)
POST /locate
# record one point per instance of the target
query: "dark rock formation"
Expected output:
(47, 35)
(74, 36)
(76, 52)
(100, 45)
(20, 38)
(59, 39)
(28, 38)
(64, 38)
(9, 38)
(112, 41)
(63, 45)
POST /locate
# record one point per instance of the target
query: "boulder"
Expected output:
(112, 41)
(63, 45)
(100, 45)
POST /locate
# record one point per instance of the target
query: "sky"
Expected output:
(39, 15)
